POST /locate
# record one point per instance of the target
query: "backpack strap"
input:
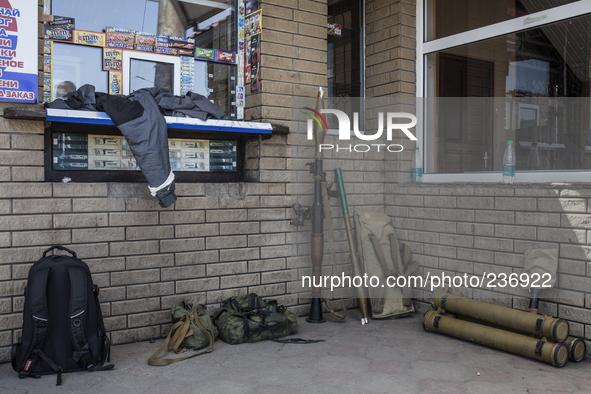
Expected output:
(179, 331)
(381, 257)
(405, 266)
(78, 302)
(37, 297)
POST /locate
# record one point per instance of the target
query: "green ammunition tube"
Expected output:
(576, 349)
(523, 345)
(554, 329)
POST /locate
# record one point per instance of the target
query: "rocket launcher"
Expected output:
(554, 329)
(523, 345)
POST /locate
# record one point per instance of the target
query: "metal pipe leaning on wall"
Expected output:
(552, 328)
(523, 345)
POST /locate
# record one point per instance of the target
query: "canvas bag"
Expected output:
(193, 329)
(381, 255)
(250, 318)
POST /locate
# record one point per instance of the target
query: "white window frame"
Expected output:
(541, 18)
(152, 57)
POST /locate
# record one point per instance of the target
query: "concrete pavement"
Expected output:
(388, 356)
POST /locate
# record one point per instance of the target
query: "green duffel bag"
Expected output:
(193, 329)
(249, 318)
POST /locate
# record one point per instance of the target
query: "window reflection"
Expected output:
(77, 65)
(531, 87)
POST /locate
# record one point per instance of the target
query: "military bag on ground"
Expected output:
(193, 329)
(63, 328)
(381, 255)
(249, 318)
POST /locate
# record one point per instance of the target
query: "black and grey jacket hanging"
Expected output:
(140, 118)
(144, 127)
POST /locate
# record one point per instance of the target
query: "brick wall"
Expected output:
(477, 228)
(217, 241)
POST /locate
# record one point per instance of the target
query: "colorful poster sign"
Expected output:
(58, 28)
(334, 29)
(112, 59)
(225, 56)
(89, 38)
(18, 50)
(115, 82)
(253, 23)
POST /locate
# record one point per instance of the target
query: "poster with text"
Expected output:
(18, 50)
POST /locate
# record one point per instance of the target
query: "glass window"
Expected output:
(137, 15)
(344, 49)
(216, 32)
(345, 58)
(531, 86)
(147, 74)
(449, 17)
(77, 65)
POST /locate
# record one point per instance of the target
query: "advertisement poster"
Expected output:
(115, 82)
(89, 38)
(253, 23)
(58, 28)
(251, 6)
(18, 51)
(254, 56)
(334, 29)
(112, 59)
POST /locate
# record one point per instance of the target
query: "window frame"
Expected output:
(425, 48)
(151, 57)
(362, 34)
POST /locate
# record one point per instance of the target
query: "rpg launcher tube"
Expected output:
(554, 329)
(523, 345)
(317, 245)
(360, 291)
(576, 349)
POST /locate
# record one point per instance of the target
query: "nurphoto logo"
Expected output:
(345, 130)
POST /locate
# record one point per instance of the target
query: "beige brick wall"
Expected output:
(217, 241)
(477, 228)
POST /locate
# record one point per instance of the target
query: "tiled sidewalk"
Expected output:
(392, 356)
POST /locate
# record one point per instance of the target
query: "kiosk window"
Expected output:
(77, 65)
(140, 15)
(146, 74)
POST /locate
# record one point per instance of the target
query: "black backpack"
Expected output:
(63, 328)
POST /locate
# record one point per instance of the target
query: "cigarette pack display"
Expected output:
(105, 164)
(71, 165)
(58, 137)
(221, 160)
